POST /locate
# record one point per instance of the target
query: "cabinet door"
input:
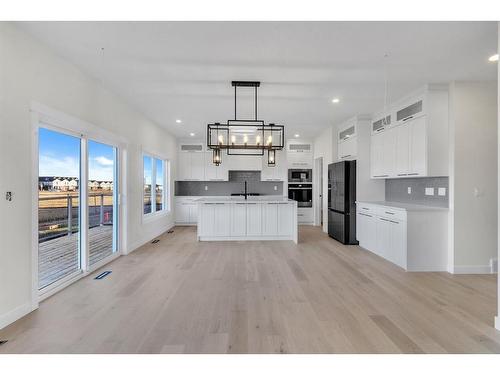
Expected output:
(347, 149)
(398, 243)
(222, 225)
(207, 218)
(418, 147)
(402, 150)
(376, 150)
(254, 219)
(389, 152)
(366, 231)
(181, 213)
(193, 212)
(197, 166)
(384, 240)
(285, 219)
(238, 219)
(184, 166)
(210, 168)
(270, 219)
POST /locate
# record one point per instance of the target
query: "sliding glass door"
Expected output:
(102, 188)
(67, 244)
(58, 206)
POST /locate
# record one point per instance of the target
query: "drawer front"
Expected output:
(391, 213)
(366, 208)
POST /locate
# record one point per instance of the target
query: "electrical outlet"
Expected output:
(409, 189)
(8, 196)
(429, 191)
(206, 187)
(275, 187)
(442, 192)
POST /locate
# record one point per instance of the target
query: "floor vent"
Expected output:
(102, 275)
(3, 342)
(170, 231)
(155, 241)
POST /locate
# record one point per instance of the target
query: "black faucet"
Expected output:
(246, 194)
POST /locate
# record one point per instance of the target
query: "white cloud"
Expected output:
(102, 160)
(64, 167)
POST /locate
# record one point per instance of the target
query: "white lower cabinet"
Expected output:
(270, 219)
(238, 219)
(186, 210)
(414, 238)
(254, 219)
(246, 220)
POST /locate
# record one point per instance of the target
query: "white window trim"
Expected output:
(153, 215)
(46, 117)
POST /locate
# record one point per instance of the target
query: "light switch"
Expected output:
(442, 191)
(409, 189)
(429, 191)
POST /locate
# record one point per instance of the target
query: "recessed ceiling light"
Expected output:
(335, 100)
(178, 121)
(192, 134)
(493, 58)
(297, 135)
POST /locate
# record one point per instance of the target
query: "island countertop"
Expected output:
(239, 199)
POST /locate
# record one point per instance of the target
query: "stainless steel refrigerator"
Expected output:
(342, 201)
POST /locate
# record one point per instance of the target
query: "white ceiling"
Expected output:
(182, 70)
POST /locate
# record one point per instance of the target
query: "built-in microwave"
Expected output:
(300, 175)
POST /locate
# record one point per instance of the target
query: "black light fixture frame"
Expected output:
(276, 131)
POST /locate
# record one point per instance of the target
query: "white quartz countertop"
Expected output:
(238, 199)
(404, 206)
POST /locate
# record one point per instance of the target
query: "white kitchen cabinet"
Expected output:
(243, 163)
(347, 149)
(285, 219)
(215, 172)
(254, 219)
(206, 219)
(276, 173)
(418, 147)
(186, 210)
(383, 154)
(222, 220)
(238, 219)
(299, 160)
(270, 219)
(226, 219)
(421, 136)
(414, 238)
(191, 162)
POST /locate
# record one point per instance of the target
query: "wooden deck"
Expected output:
(59, 257)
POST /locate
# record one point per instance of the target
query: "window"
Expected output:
(154, 184)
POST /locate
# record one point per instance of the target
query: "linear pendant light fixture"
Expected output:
(245, 137)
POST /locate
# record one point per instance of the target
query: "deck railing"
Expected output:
(58, 215)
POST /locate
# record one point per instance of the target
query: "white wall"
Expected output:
(31, 72)
(473, 176)
(324, 147)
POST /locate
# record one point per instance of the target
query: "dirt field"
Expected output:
(52, 199)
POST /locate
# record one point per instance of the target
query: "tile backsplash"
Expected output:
(396, 190)
(225, 188)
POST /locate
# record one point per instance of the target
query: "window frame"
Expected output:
(166, 186)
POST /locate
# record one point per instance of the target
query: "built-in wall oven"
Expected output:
(302, 193)
(300, 175)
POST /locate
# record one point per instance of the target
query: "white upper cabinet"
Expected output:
(215, 172)
(415, 137)
(276, 173)
(299, 154)
(347, 140)
(190, 162)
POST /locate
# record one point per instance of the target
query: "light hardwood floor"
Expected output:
(182, 296)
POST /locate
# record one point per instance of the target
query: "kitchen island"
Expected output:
(240, 219)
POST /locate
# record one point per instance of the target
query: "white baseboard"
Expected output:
(13, 315)
(462, 270)
(497, 322)
(143, 241)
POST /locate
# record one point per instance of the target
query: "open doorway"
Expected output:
(318, 188)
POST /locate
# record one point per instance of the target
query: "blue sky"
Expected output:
(148, 162)
(59, 155)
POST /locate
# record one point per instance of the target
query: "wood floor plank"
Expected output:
(319, 296)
